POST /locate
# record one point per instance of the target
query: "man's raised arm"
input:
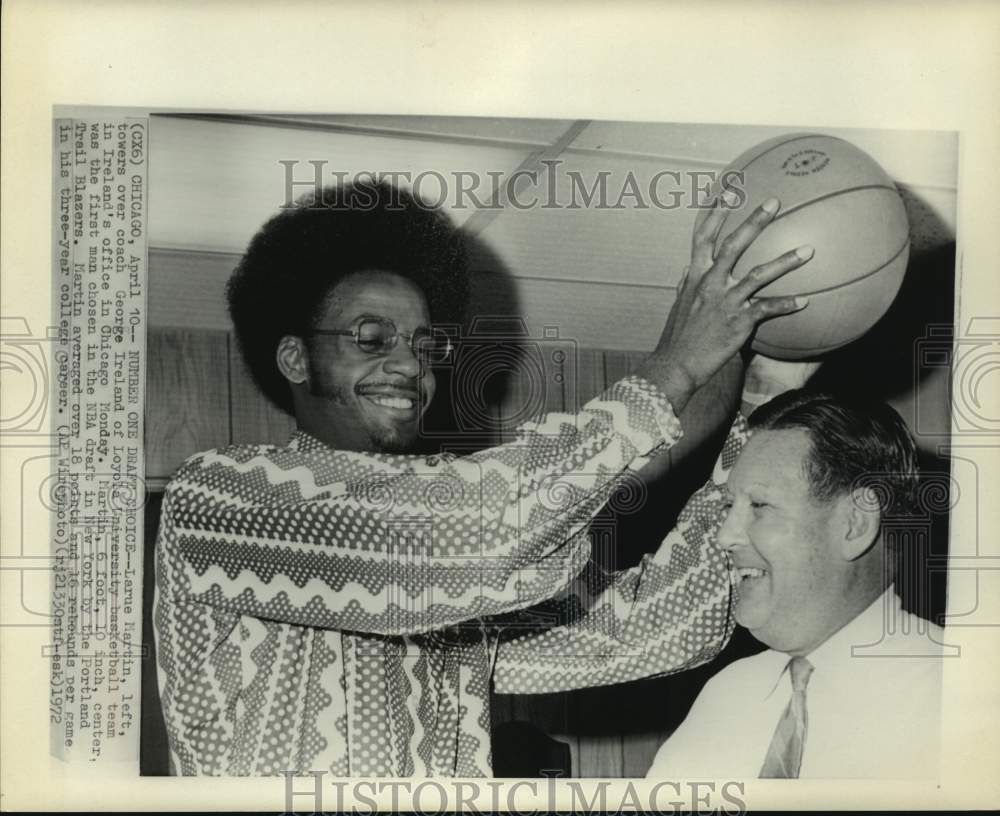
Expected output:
(671, 612)
(407, 545)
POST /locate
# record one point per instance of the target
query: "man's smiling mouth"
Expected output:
(746, 576)
(403, 403)
(395, 400)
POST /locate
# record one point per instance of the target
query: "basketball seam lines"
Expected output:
(875, 271)
(824, 350)
(799, 206)
(833, 194)
(815, 200)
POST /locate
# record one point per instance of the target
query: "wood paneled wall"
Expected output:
(199, 396)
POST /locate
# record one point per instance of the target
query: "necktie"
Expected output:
(784, 756)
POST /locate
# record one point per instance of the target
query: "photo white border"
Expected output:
(900, 65)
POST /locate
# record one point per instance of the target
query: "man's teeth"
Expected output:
(393, 402)
(750, 572)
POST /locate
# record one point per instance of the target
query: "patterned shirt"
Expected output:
(319, 609)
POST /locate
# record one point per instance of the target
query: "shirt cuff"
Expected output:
(645, 417)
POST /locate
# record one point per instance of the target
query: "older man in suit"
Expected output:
(849, 686)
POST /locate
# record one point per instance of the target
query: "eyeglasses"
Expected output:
(379, 335)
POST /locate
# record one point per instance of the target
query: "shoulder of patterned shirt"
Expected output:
(233, 454)
(301, 449)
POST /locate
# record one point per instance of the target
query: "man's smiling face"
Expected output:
(783, 544)
(369, 402)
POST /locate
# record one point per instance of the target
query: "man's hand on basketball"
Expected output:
(715, 315)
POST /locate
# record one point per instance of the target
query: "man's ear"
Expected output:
(862, 521)
(292, 357)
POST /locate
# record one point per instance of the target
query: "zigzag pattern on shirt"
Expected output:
(601, 662)
(355, 608)
(268, 471)
(276, 648)
(407, 575)
(453, 518)
(615, 622)
(671, 612)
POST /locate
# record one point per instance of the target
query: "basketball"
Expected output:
(837, 199)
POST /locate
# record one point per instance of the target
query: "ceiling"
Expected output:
(603, 275)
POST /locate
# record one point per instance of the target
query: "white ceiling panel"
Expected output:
(212, 184)
(640, 233)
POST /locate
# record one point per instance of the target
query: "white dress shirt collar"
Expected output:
(866, 628)
(863, 629)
